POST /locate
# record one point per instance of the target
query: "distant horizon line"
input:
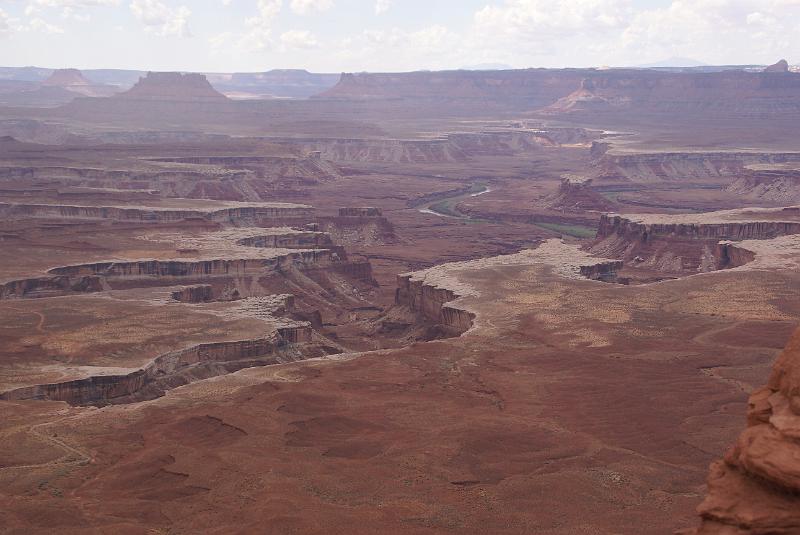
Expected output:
(454, 69)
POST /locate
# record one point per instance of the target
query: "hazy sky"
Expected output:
(391, 35)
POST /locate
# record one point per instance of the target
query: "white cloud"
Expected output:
(5, 24)
(219, 40)
(70, 9)
(73, 3)
(258, 29)
(161, 19)
(718, 29)
(299, 39)
(306, 7)
(433, 47)
(382, 6)
(39, 25)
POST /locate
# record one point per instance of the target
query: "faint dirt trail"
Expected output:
(73, 455)
(40, 325)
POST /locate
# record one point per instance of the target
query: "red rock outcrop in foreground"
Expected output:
(755, 488)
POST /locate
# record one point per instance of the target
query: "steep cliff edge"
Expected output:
(177, 368)
(755, 488)
(431, 303)
(689, 243)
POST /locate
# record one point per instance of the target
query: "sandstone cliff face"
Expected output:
(683, 247)
(266, 215)
(755, 488)
(175, 369)
(202, 293)
(430, 302)
(746, 230)
(100, 276)
(293, 240)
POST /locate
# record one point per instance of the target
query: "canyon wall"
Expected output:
(292, 240)
(611, 224)
(682, 248)
(101, 276)
(240, 216)
(431, 304)
(174, 369)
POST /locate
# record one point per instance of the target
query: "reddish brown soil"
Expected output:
(569, 406)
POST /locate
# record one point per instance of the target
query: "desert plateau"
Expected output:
(539, 300)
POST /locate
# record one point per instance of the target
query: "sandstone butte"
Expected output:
(755, 488)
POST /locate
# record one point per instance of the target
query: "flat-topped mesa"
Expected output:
(267, 214)
(690, 242)
(66, 78)
(780, 67)
(532, 87)
(173, 86)
(755, 488)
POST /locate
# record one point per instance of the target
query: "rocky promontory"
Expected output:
(755, 488)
